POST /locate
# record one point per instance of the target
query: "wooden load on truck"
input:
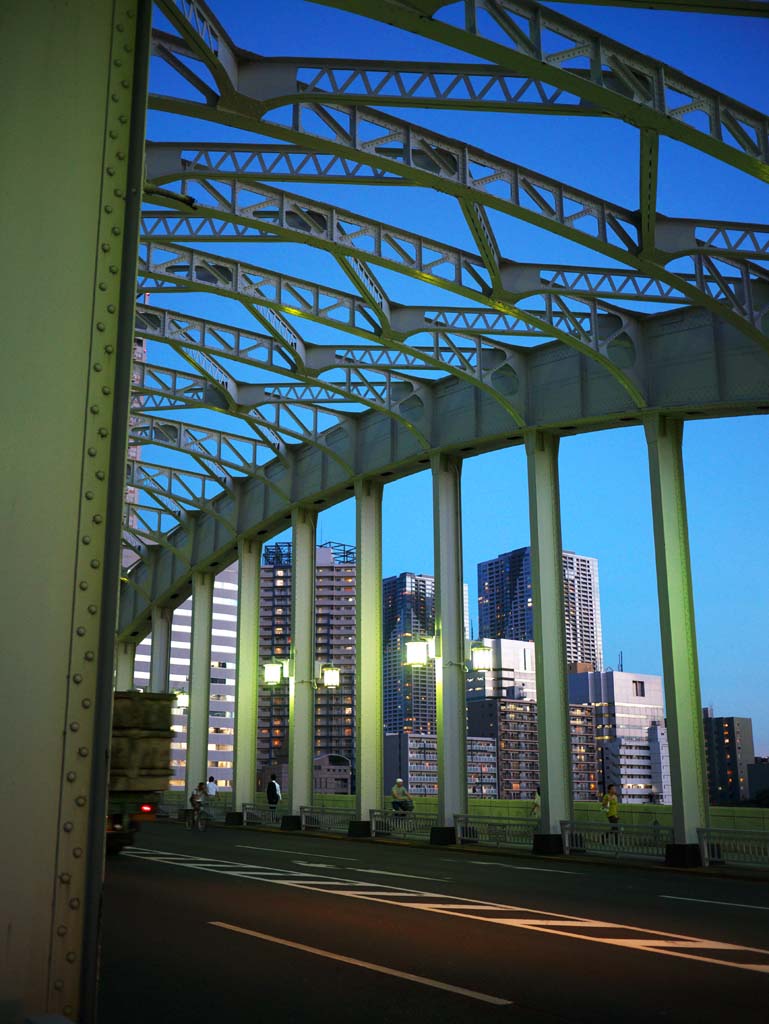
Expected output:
(140, 761)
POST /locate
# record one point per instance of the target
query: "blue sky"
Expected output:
(604, 476)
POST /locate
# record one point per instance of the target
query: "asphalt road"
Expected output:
(249, 926)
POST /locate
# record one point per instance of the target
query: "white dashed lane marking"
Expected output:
(709, 951)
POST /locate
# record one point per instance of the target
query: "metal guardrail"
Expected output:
(254, 814)
(726, 846)
(494, 831)
(605, 840)
(402, 826)
(336, 820)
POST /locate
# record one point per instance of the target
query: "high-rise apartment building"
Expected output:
(335, 589)
(728, 752)
(506, 606)
(630, 732)
(408, 613)
(413, 757)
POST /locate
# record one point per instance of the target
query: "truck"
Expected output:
(139, 762)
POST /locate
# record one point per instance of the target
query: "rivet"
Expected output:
(65, 878)
(113, 269)
(71, 776)
(77, 852)
(86, 702)
(97, 367)
(68, 826)
(102, 286)
(71, 958)
(111, 307)
(128, 48)
(98, 519)
(58, 984)
(68, 1010)
(86, 539)
(95, 410)
(83, 751)
(113, 134)
(110, 170)
(108, 208)
(74, 726)
(61, 930)
(115, 97)
(80, 631)
(92, 609)
(105, 247)
(99, 474)
(109, 349)
(116, 231)
(120, 155)
(95, 563)
(126, 84)
(83, 585)
(123, 119)
(106, 391)
(118, 63)
(92, 452)
(80, 801)
(89, 655)
(103, 432)
(77, 678)
(74, 903)
(99, 326)
(119, 193)
(89, 495)
(119, 28)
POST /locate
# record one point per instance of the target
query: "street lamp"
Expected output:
(419, 652)
(330, 677)
(273, 672)
(481, 657)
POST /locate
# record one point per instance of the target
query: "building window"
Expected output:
(638, 688)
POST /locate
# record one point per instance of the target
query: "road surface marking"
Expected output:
(718, 903)
(636, 939)
(270, 849)
(311, 864)
(379, 968)
(400, 874)
(517, 867)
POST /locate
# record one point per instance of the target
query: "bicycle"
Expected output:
(197, 818)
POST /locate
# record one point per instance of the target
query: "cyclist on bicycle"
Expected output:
(197, 797)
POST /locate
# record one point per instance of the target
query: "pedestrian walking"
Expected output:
(536, 807)
(610, 804)
(273, 795)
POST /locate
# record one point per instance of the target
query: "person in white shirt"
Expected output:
(211, 787)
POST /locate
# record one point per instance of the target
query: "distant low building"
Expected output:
(758, 777)
(413, 757)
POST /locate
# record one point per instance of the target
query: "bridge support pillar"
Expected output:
(450, 669)
(301, 686)
(368, 657)
(73, 79)
(683, 704)
(247, 673)
(200, 679)
(160, 652)
(125, 663)
(550, 640)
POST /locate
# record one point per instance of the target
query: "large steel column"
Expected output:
(125, 663)
(301, 702)
(450, 670)
(246, 672)
(73, 81)
(679, 644)
(160, 652)
(550, 639)
(368, 648)
(200, 679)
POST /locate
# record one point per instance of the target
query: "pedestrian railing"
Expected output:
(403, 825)
(255, 814)
(725, 846)
(326, 819)
(494, 831)
(606, 840)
